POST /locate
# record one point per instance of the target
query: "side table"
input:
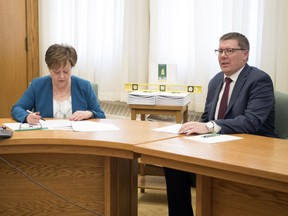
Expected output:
(180, 112)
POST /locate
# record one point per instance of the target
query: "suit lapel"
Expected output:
(238, 86)
(218, 88)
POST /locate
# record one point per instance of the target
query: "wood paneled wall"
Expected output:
(19, 50)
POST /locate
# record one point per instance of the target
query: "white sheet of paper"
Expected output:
(61, 124)
(92, 126)
(213, 139)
(169, 129)
(13, 126)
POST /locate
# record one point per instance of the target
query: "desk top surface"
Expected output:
(130, 133)
(259, 155)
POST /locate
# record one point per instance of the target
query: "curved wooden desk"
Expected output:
(242, 177)
(95, 170)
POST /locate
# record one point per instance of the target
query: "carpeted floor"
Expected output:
(154, 202)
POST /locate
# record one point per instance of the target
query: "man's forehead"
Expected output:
(229, 42)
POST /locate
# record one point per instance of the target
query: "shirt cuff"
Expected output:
(217, 128)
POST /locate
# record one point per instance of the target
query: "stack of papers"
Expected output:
(92, 126)
(173, 99)
(159, 98)
(142, 98)
(60, 124)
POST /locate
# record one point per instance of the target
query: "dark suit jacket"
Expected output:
(252, 105)
(39, 97)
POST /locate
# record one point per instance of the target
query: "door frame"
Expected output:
(32, 41)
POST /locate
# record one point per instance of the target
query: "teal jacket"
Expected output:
(39, 97)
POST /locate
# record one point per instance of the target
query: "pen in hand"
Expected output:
(30, 112)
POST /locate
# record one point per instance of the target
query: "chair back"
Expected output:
(95, 88)
(281, 114)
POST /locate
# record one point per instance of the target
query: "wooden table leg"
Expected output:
(142, 117)
(203, 195)
(178, 117)
(142, 173)
(133, 114)
(185, 115)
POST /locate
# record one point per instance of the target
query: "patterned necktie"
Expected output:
(224, 99)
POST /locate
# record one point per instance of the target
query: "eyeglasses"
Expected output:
(228, 51)
(26, 126)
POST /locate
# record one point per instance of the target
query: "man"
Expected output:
(249, 108)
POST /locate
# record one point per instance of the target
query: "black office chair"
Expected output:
(281, 115)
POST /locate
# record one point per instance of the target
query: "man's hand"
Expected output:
(193, 127)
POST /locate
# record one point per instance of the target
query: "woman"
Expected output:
(60, 95)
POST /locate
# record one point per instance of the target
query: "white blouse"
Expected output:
(62, 109)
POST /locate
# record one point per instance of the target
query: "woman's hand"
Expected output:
(81, 115)
(33, 118)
